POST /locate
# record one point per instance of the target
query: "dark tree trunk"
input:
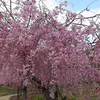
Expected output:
(18, 92)
(60, 94)
(25, 93)
(56, 95)
(64, 98)
(46, 92)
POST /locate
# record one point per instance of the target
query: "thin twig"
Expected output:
(82, 12)
(10, 6)
(8, 11)
(91, 3)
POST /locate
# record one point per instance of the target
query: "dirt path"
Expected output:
(14, 97)
(6, 97)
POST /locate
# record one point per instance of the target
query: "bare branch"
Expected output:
(92, 16)
(29, 20)
(91, 3)
(70, 23)
(8, 10)
(10, 6)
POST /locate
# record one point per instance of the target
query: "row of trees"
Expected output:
(38, 50)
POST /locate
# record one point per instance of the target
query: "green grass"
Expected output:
(5, 90)
(93, 99)
(41, 97)
(38, 98)
(68, 98)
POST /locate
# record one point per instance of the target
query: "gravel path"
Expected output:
(6, 97)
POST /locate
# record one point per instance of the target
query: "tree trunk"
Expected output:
(18, 92)
(25, 93)
(46, 94)
(60, 94)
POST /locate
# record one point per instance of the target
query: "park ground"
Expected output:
(7, 93)
(30, 96)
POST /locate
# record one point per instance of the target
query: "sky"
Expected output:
(76, 5)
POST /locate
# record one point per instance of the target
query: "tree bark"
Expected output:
(25, 93)
(59, 92)
(46, 92)
(18, 92)
(56, 95)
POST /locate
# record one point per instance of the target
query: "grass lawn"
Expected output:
(37, 98)
(5, 90)
(72, 98)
